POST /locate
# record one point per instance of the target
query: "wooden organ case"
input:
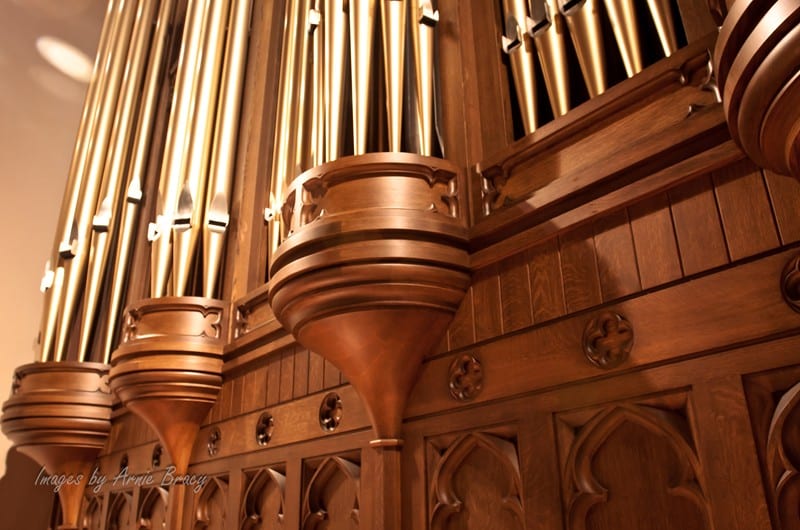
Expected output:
(412, 264)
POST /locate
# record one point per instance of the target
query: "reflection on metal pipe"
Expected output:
(665, 25)
(520, 49)
(583, 21)
(623, 22)
(424, 20)
(362, 22)
(548, 33)
(136, 172)
(288, 115)
(312, 151)
(335, 59)
(187, 224)
(393, 25)
(176, 147)
(104, 222)
(54, 274)
(76, 251)
(223, 158)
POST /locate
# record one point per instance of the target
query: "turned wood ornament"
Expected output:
(756, 59)
(59, 414)
(371, 269)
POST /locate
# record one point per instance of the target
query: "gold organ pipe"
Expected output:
(105, 221)
(316, 142)
(76, 265)
(362, 22)
(305, 93)
(548, 35)
(53, 280)
(335, 59)
(665, 25)
(176, 147)
(424, 19)
(288, 115)
(623, 22)
(137, 170)
(583, 21)
(520, 49)
(188, 222)
(393, 24)
(223, 155)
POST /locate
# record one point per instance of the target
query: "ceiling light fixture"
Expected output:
(65, 58)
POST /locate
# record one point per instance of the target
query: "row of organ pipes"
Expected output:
(539, 27)
(323, 42)
(89, 265)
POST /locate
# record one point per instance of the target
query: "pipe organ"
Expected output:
(398, 264)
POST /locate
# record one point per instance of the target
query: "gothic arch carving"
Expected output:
(446, 500)
(120, 511)
(267, 485)
(334, 478)
(152, 509)
(92, 513)
(783, 458)
(586, 491)
(211, 503)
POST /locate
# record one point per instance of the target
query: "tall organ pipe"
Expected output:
(187, 224)
(137, 171)
(548, 34)
(77, 256)
(223, 157)
(520, 49)
(623, 22)
(423, 22)
(288, 115)
(335, 59)
(393, 24)
(105, 220)
(583, 21)
(53, 280)
(362, 22)
(176, 147)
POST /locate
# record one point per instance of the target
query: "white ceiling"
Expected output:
(39, 113)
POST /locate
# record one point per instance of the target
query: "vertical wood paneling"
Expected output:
(250, 392)
(287, 374)
(316, 369)
(331, 375)
(616, 259)
(745, 210)
(237, 404)
(462, 330)
(654, 240)
(259, 389)
(515, 293)
(547, 287)
(273, 380)
(579, 269)
(486, 297)
(784, 193)
(300, 373)
(697, 226)
(728, 455)
(540, 475)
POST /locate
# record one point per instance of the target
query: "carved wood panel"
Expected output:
(152, 509)
(631, 466)
(263, 501)
(774, 403)
(475, 483)
(332, 496)
(120, 512)
(93, 513)
(211, 505)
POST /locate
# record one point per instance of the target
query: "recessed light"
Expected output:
(65, 58)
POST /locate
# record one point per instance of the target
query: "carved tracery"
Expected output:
(263, 505)
(152, 509)
(120, 511)
(210, 512)
(495, 460)
(332, 495)
(783, 458)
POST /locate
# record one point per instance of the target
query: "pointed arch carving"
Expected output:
(152, 509)
(266, 488)
(332, 492)
(120, 511)
(446, 500)
(211, 504)
(92, 513)
(783, 458)
(585, 490)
